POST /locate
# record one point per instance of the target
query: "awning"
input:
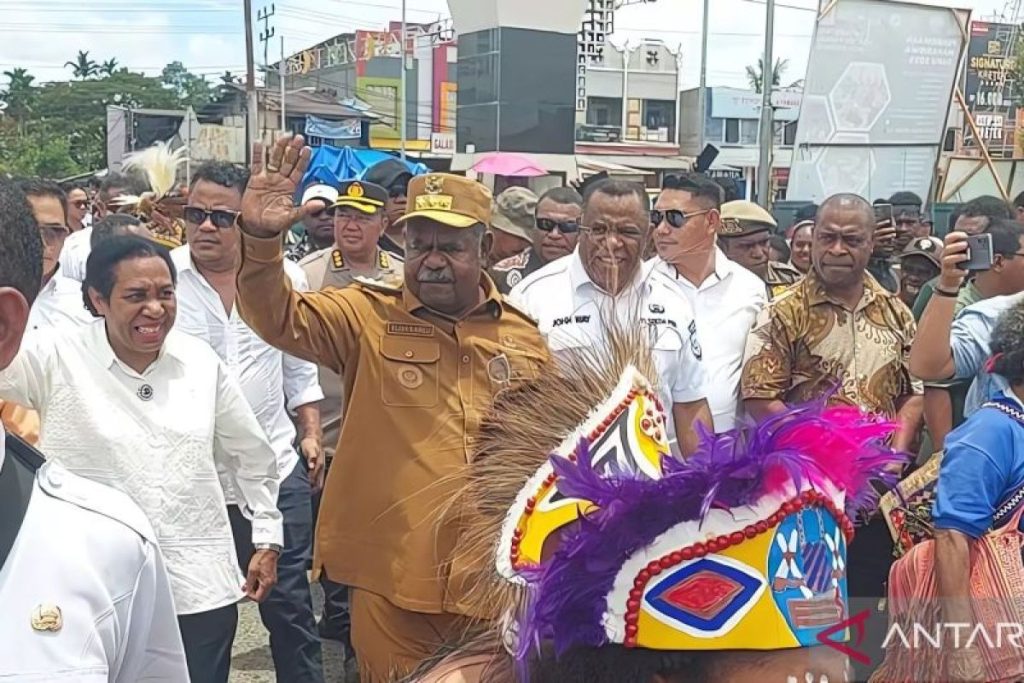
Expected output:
(644, 162)
(749, 157)
(589, 165)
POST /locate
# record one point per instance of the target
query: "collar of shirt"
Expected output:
(724, 268)
(97, 343)
(817, 294)
(492, 299)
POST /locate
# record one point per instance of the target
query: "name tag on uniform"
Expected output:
(410, 329)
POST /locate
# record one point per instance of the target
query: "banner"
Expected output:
(348, 129)
(876, 99)
(989, 86)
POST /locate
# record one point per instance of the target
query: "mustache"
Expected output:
(443, 276)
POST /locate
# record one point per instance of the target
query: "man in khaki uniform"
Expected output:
(512, 223)
(744, 237)
(359, 221)
(420, 365)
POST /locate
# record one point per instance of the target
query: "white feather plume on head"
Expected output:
(160, 166)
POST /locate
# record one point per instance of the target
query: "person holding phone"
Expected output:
(880, 265)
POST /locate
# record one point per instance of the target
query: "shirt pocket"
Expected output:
(409, 372)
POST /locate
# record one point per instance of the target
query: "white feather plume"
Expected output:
(160, 165)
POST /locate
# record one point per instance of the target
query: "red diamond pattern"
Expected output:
(704, 594)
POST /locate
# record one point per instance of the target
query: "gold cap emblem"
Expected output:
(355, 190)
(47, 618)
(434, 184)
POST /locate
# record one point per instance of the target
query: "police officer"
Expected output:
(744, 237)
(512, 223)
(83, 587)
(421, 363)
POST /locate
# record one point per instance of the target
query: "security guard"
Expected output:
(744, 237)
(421, 364)
(359, 222)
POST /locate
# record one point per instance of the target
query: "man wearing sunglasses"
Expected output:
(744, 238)
(273, 384)
(557, 220)
(318, 226)
(725, 297)
(394, 176)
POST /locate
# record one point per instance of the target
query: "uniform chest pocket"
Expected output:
(409, 372)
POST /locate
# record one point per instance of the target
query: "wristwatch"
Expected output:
(268, 546)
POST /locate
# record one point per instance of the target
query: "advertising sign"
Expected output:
(876, 99)
(989, 86)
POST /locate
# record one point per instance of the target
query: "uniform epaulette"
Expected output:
(65, 485)
(309, 258)
(389, 283)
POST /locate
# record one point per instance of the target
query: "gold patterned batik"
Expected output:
(804, 342)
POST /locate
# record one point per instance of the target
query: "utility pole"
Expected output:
(251, 101)
(282, 71)
(267, 33)
(403, 104)
(764, 169)
(702, 94)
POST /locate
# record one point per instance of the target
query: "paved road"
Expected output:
(251, 662)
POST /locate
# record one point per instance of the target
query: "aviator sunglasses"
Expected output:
(564, 227)
(221, 218)
(674, 217)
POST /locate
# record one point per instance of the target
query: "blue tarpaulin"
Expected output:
(334, 164)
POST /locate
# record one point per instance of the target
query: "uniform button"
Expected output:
(465, 359)
(408, 354)
(55, 478)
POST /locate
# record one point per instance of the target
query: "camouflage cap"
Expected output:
(513, 212)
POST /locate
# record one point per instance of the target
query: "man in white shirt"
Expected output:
(574, 298)
(78, 245)
(273, 384)
(724, 296)
(131, 402)
(84, 590)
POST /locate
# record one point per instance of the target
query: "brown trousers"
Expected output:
(390, 642)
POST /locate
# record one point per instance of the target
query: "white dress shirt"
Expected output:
(157, 436)
(75, 253)
(726, 305)
(569, 309)
(59, 304)
(86, 557)
(271, 380)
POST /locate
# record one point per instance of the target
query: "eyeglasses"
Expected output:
(328, 211)
(674, 217)
(53, 234)
(602, 233)
(80, 203)
(564, 227)
(221, 218)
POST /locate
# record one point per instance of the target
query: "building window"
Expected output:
(732, 131)
(713, 130)
(660, 120)
(604, 111)
(748, 131)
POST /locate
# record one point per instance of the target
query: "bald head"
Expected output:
(846, 202)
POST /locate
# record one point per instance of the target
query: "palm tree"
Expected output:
(755, 77)
(83, 67)
(109, 67)
(227, 78)
(19, 93)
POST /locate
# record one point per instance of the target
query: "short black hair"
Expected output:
(697, 184)
(104, 259)
(730, 192)
(131, 184)
(38, 187)
(111, 226)
(1008, 345)
(988, 206)
(807, 212)
(562, 195)
(21, 247)
(1006, 236)
(618, 188)
(906, 199)
(1018, 201)
(779, 244)
(223, 173)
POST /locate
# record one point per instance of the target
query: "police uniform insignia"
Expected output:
(355, 190)
(514, 278)
(383, 260)
(410, 329)
(434, 184)
(698, 352)
(337, 259)
(47, 617)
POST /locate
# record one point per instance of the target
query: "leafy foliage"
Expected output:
(755, 76)
(59, 129)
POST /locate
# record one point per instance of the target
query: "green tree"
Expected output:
(189, 88)
(227, 78)
(19, 95)
(109, 67)
(82, 66)
(755, 76)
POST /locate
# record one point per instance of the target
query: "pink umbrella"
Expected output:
(508, 164)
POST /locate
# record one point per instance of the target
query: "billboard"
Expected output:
(989, 86)
(876, 99)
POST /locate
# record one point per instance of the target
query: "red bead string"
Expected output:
(719, 544)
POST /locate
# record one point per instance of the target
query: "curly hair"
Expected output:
(1008, 346)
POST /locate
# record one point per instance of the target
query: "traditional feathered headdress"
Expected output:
(158, 208)
(600, 537)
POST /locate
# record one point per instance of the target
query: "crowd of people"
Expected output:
(480, 421)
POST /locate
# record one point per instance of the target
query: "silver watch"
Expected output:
(268, 546)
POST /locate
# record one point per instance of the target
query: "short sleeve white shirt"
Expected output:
(75, 253)
(569, 309)
(726, 305)
(58, 304)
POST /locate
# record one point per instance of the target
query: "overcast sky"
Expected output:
(208, 35)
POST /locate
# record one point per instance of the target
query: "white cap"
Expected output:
(326, 193)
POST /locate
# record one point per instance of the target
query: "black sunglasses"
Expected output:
(674, 217)
(221, 218)
(564, 227)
